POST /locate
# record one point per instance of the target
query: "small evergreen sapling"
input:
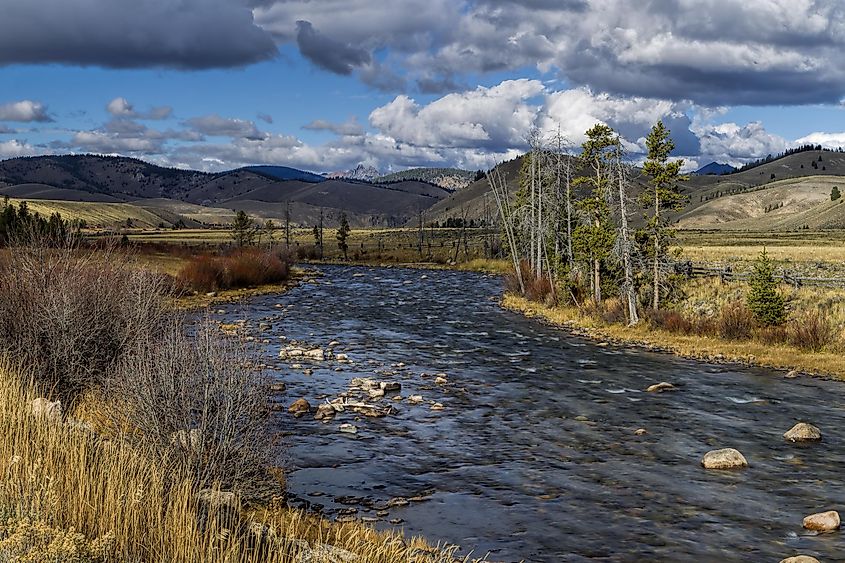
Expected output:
(764, 300)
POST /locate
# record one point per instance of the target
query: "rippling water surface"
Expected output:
(534, 456)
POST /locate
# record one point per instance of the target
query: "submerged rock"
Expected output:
(348, 429)
(299, 407)
(803, 432)
(823, 521)
(440, 380)
(661, 387)
(727, 458)
(390, 386)
(640, 431)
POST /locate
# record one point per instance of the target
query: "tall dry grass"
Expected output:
(67, 494)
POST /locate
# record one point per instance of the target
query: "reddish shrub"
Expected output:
(671, 321)
(251, 267)
(203, 273)
(811, 331)
(735, 321)
(243, 268)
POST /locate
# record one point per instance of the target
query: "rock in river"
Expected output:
(348, 429)
(727, 458)
(661, 387)
(299, 407)
(325, 411)
(823, 521)
(803, 432)
(800, 559)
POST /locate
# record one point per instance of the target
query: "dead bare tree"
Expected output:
(499, 187)
(624, 239)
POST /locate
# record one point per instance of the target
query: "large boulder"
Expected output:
(727, 458)
(46, 409)
(823, 521)
(803, 432)
(299, 408)
(800, 559)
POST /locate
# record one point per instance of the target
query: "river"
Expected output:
(534, 455)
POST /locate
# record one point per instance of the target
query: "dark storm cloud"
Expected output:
(327, 52)
(189, 34)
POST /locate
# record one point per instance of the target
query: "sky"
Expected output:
(325, 85)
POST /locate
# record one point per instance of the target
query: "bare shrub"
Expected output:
(811, 331)
(203, 273)
(196, 404)
(735, 321)
(668, 320)
(613, 311)
(252, 267)
(68, 313)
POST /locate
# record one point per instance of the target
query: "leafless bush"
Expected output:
(197, 404)
(735, 321)
(67, 313)
(244, 267)
(811, 331)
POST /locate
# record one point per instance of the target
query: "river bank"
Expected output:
(709, 349)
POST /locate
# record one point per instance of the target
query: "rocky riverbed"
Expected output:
(410, 400)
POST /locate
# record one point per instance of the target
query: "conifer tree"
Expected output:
(664, 195)
(766, 303)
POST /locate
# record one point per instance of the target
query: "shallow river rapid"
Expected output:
(534, 455)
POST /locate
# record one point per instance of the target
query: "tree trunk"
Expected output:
(656, 281)
(630, 297)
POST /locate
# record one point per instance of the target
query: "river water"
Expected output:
(534, 456)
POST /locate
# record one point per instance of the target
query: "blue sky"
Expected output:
(215, 84)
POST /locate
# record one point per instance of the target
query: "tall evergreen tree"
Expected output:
(243, 230)
(343, 235)
(594, 241)
(664, 195)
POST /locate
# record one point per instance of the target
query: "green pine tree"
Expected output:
(834, 193)
(764, 300)
(594, 241)
(663, 195)
(243, 230)
(343, 236)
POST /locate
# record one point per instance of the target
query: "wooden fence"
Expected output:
(727, 274)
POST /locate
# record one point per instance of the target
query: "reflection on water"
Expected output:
(535, 454)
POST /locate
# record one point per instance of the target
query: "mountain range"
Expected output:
(785, 192)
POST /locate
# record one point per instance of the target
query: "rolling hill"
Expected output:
(172, 196)
(700, 190)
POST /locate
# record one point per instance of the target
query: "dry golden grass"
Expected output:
(750, 252)
(693, 346)
(69, 495)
